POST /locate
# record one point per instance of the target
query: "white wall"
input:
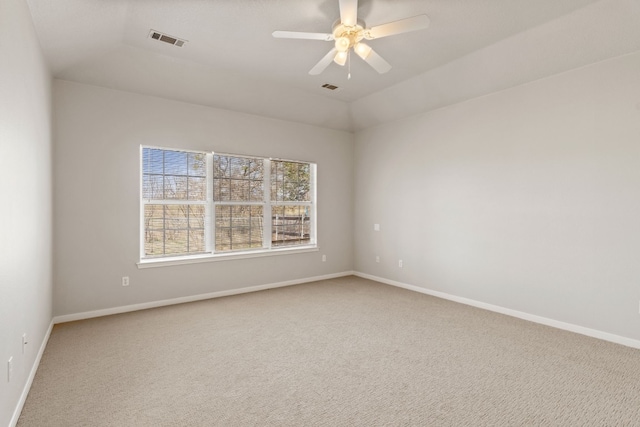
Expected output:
(526, 199)
(25, 192)
(98, 133)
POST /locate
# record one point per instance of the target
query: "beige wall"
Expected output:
(98, 133)
(25, 194)
(526, 199)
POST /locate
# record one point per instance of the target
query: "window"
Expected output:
(198, 204)
(174, 202)
(238, 188)
(290, 203)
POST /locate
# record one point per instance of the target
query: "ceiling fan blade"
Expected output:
(323, 63)
(349, 12)
(306, 36)
(372, 58)
(418, 22)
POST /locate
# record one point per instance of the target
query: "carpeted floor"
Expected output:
(342, 352)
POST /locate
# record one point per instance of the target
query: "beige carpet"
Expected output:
(343, 352)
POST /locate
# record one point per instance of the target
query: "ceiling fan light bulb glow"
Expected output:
(340, 58)
(362, 50)
(342, 44)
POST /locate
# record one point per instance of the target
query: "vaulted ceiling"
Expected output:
(230, 59)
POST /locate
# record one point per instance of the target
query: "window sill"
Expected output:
(195, 259)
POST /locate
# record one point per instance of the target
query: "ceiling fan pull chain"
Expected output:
(349, 64)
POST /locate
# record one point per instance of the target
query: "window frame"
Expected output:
(210, 204)
(263, 203)
(310, 204)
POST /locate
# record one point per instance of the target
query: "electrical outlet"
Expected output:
(24, 342)
(9, 369)
(125, 281)
(377, 258)
(376, 227)
(400, 263)
(324, 258)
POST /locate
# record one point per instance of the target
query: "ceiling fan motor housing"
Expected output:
(346, 36)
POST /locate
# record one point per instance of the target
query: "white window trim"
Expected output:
(211, 255)
(206, 203)
(224, 256)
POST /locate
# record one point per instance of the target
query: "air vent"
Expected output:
(330, 86)
(156, 35)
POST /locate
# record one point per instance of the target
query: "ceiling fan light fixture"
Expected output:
(342, 44)
(348, 31)
(340, 58)
(362, 50)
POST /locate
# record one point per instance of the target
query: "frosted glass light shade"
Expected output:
(340, 58)
(362, 50)
(342, 44)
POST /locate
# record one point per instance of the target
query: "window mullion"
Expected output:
(209, 210)
(266, 211)
(283, 203)
(243, 203)
(175, 202)
(143, 229)
(313, 231)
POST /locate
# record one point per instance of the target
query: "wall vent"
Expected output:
(330, 86)
(157, 35)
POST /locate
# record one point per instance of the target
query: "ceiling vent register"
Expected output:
(330, 86)
(156, 35)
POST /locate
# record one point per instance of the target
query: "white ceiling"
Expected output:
(232, 61)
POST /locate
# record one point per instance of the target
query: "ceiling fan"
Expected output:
(348, 33)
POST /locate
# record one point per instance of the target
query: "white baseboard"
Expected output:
(192, 298)
(594, 333)
(32, 374)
